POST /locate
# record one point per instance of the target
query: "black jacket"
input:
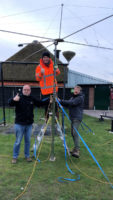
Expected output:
(75, 105)
(24, 109)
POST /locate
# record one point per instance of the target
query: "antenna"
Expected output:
(61, 20)
(52, 157)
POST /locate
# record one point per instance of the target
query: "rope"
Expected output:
(61, 179)
(89, 129)
(86, 147)
(34, 167)
(90, 177)
(103, 19)
(94, 134)
(94, 145)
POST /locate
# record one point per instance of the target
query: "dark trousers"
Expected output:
(75, 124)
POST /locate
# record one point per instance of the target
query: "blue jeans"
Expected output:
(75, 123)
(21, 130)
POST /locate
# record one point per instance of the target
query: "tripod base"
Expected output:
(41, 135)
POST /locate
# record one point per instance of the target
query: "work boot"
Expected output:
(29, 159)
(14, 161)
(76, 153)
(71, 151)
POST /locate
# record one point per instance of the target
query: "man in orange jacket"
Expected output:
(45, 75)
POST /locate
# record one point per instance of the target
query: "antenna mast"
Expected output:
(61, 20)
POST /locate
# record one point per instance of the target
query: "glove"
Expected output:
(56, 66)
(42, 71)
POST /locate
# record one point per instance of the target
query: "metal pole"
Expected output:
(63, 99)
(61, 19)
(3, 98)
(112, 125)
(52, 156)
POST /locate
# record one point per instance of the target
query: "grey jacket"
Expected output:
(75, 105)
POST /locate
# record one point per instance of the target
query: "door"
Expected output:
(102, 97)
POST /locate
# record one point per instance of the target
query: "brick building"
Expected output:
(97, 91)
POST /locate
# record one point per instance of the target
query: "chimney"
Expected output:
(57, 53)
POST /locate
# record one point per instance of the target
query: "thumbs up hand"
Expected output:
(16, 98)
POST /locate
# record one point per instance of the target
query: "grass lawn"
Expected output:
(39, 180)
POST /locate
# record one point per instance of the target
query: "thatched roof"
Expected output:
(26, 72)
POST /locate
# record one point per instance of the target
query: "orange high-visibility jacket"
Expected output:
(46, 80)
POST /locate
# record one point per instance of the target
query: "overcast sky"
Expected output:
(42, 18)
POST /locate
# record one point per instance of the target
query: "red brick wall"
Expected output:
(91, 97)
(11, 83)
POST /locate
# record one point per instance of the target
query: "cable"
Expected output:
(29, 11)
(35, 10)
(88, 26)
(73, 14)
(34, 167)
(36, 52)
(89, 45)
(29, 35)
(86, 147)
(99, 7)
(90, 177)
(83, 22)
(52, 21)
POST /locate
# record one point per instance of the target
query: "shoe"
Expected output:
(76, 153)
(71, 151)
(14, 161)
(29, 159)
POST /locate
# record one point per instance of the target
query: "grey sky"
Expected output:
(42, 18)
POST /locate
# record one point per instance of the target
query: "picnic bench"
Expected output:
(104, 115)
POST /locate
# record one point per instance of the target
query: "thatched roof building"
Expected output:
(21, 72)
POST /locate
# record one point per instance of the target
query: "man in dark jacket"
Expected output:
(75, 105)
(24, 105)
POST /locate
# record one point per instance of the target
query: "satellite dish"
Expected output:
(69, 55)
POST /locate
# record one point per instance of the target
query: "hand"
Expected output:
(56, 67)
(16, 98)
(42, 71)
(57, 71)
(51, 99)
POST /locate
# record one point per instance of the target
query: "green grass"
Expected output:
(44, 184)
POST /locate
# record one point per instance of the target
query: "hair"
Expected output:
(79, 87)
(27, 86)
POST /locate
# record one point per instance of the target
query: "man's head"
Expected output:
(26, 90)
(46, 58)
(77, 90)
